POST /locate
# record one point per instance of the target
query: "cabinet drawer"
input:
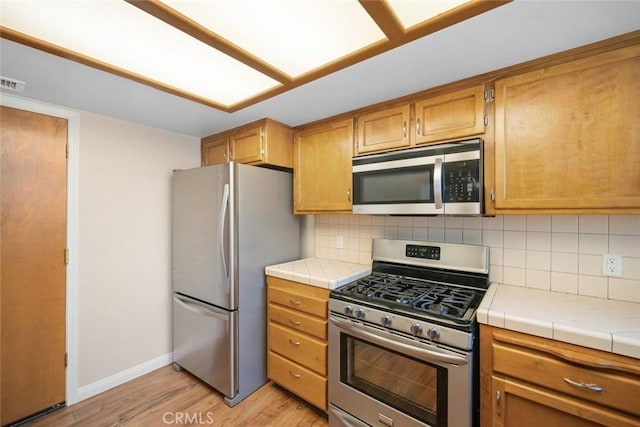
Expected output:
(618, 390)
(306, 351)
(298, 321)
(303, 301)
(301, 381)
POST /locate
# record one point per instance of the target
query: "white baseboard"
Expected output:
(122, 377)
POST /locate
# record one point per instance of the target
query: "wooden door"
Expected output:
(32, 251)
(383, 130)
(247, 145)
(322, 168)
(451, 116)
(567, 137)
(525, 405)
(215, 150)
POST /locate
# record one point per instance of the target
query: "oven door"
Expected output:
(380, 378)
(386, 184)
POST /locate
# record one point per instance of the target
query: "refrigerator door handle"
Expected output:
(223, 214)
(187, 305)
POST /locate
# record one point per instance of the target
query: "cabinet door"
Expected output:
(383, 130)
(215, 151)
(524, 405)
(567, 137)
(247, 145)
(451, 116)
(322, 168)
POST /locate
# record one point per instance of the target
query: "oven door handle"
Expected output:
(415, 349)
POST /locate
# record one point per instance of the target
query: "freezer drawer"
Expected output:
(204, 342)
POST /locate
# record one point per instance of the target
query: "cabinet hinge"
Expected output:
(486, 120)
(66, 256)
(66, 360)
(261, 134)
(489, 95)
(66, 151)
(492, 196)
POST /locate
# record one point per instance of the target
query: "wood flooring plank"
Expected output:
(165, 397)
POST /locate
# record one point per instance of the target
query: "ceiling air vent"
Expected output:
(11, 84)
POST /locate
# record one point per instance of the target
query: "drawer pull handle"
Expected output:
(294, 322)
(583, 386)
(294, 375)
(294, 302)
(293, 342)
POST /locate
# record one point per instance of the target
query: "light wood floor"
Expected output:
(168, 398)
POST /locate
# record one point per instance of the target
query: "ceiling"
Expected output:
(507, 35)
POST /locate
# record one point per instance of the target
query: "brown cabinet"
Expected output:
(567, 137)
(215, 149)
(450, 116)
(297, 338)
(455, 115)
(322, 168)
(526, 379)
(265, 142)
(383, 130)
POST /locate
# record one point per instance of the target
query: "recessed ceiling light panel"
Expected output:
(413, 12)
(295, 36)
(121, 35)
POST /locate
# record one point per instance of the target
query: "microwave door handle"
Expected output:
(437, 183)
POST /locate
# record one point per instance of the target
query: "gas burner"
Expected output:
(414, 295)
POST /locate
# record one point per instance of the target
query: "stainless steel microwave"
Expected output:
(441, 179)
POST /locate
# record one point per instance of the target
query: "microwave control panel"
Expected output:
(461, 181)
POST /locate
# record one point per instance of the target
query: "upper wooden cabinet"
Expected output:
(265, 142)
(322, 168)
(383, 130)
(567, 137)
(454, 115)
(215, 149)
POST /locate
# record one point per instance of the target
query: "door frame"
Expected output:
(72, 309)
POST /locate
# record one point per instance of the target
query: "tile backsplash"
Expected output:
(558, 252)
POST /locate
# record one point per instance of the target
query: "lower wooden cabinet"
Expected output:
(532, 381)
(297, 338)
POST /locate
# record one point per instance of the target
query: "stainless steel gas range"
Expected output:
(403, 341)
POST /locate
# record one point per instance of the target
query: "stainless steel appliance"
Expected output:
(229, 222)
(403, 340)
(438, 179)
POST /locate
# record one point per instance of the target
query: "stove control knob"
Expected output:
(347, 310)
(359, 313)
(416, 329)
(385, 320)
(433, 334)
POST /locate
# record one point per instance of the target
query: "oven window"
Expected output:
(412, 386)
(405, 185)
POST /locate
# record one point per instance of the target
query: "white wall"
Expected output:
(124, 243)
(558, 252)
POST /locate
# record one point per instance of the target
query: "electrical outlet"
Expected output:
(339, 242)
(611, 265)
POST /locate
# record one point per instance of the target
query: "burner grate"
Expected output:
(413, 294)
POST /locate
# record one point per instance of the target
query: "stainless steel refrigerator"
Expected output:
(229, 221)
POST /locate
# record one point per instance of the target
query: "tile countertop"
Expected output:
(592, 322)
(324, 273)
